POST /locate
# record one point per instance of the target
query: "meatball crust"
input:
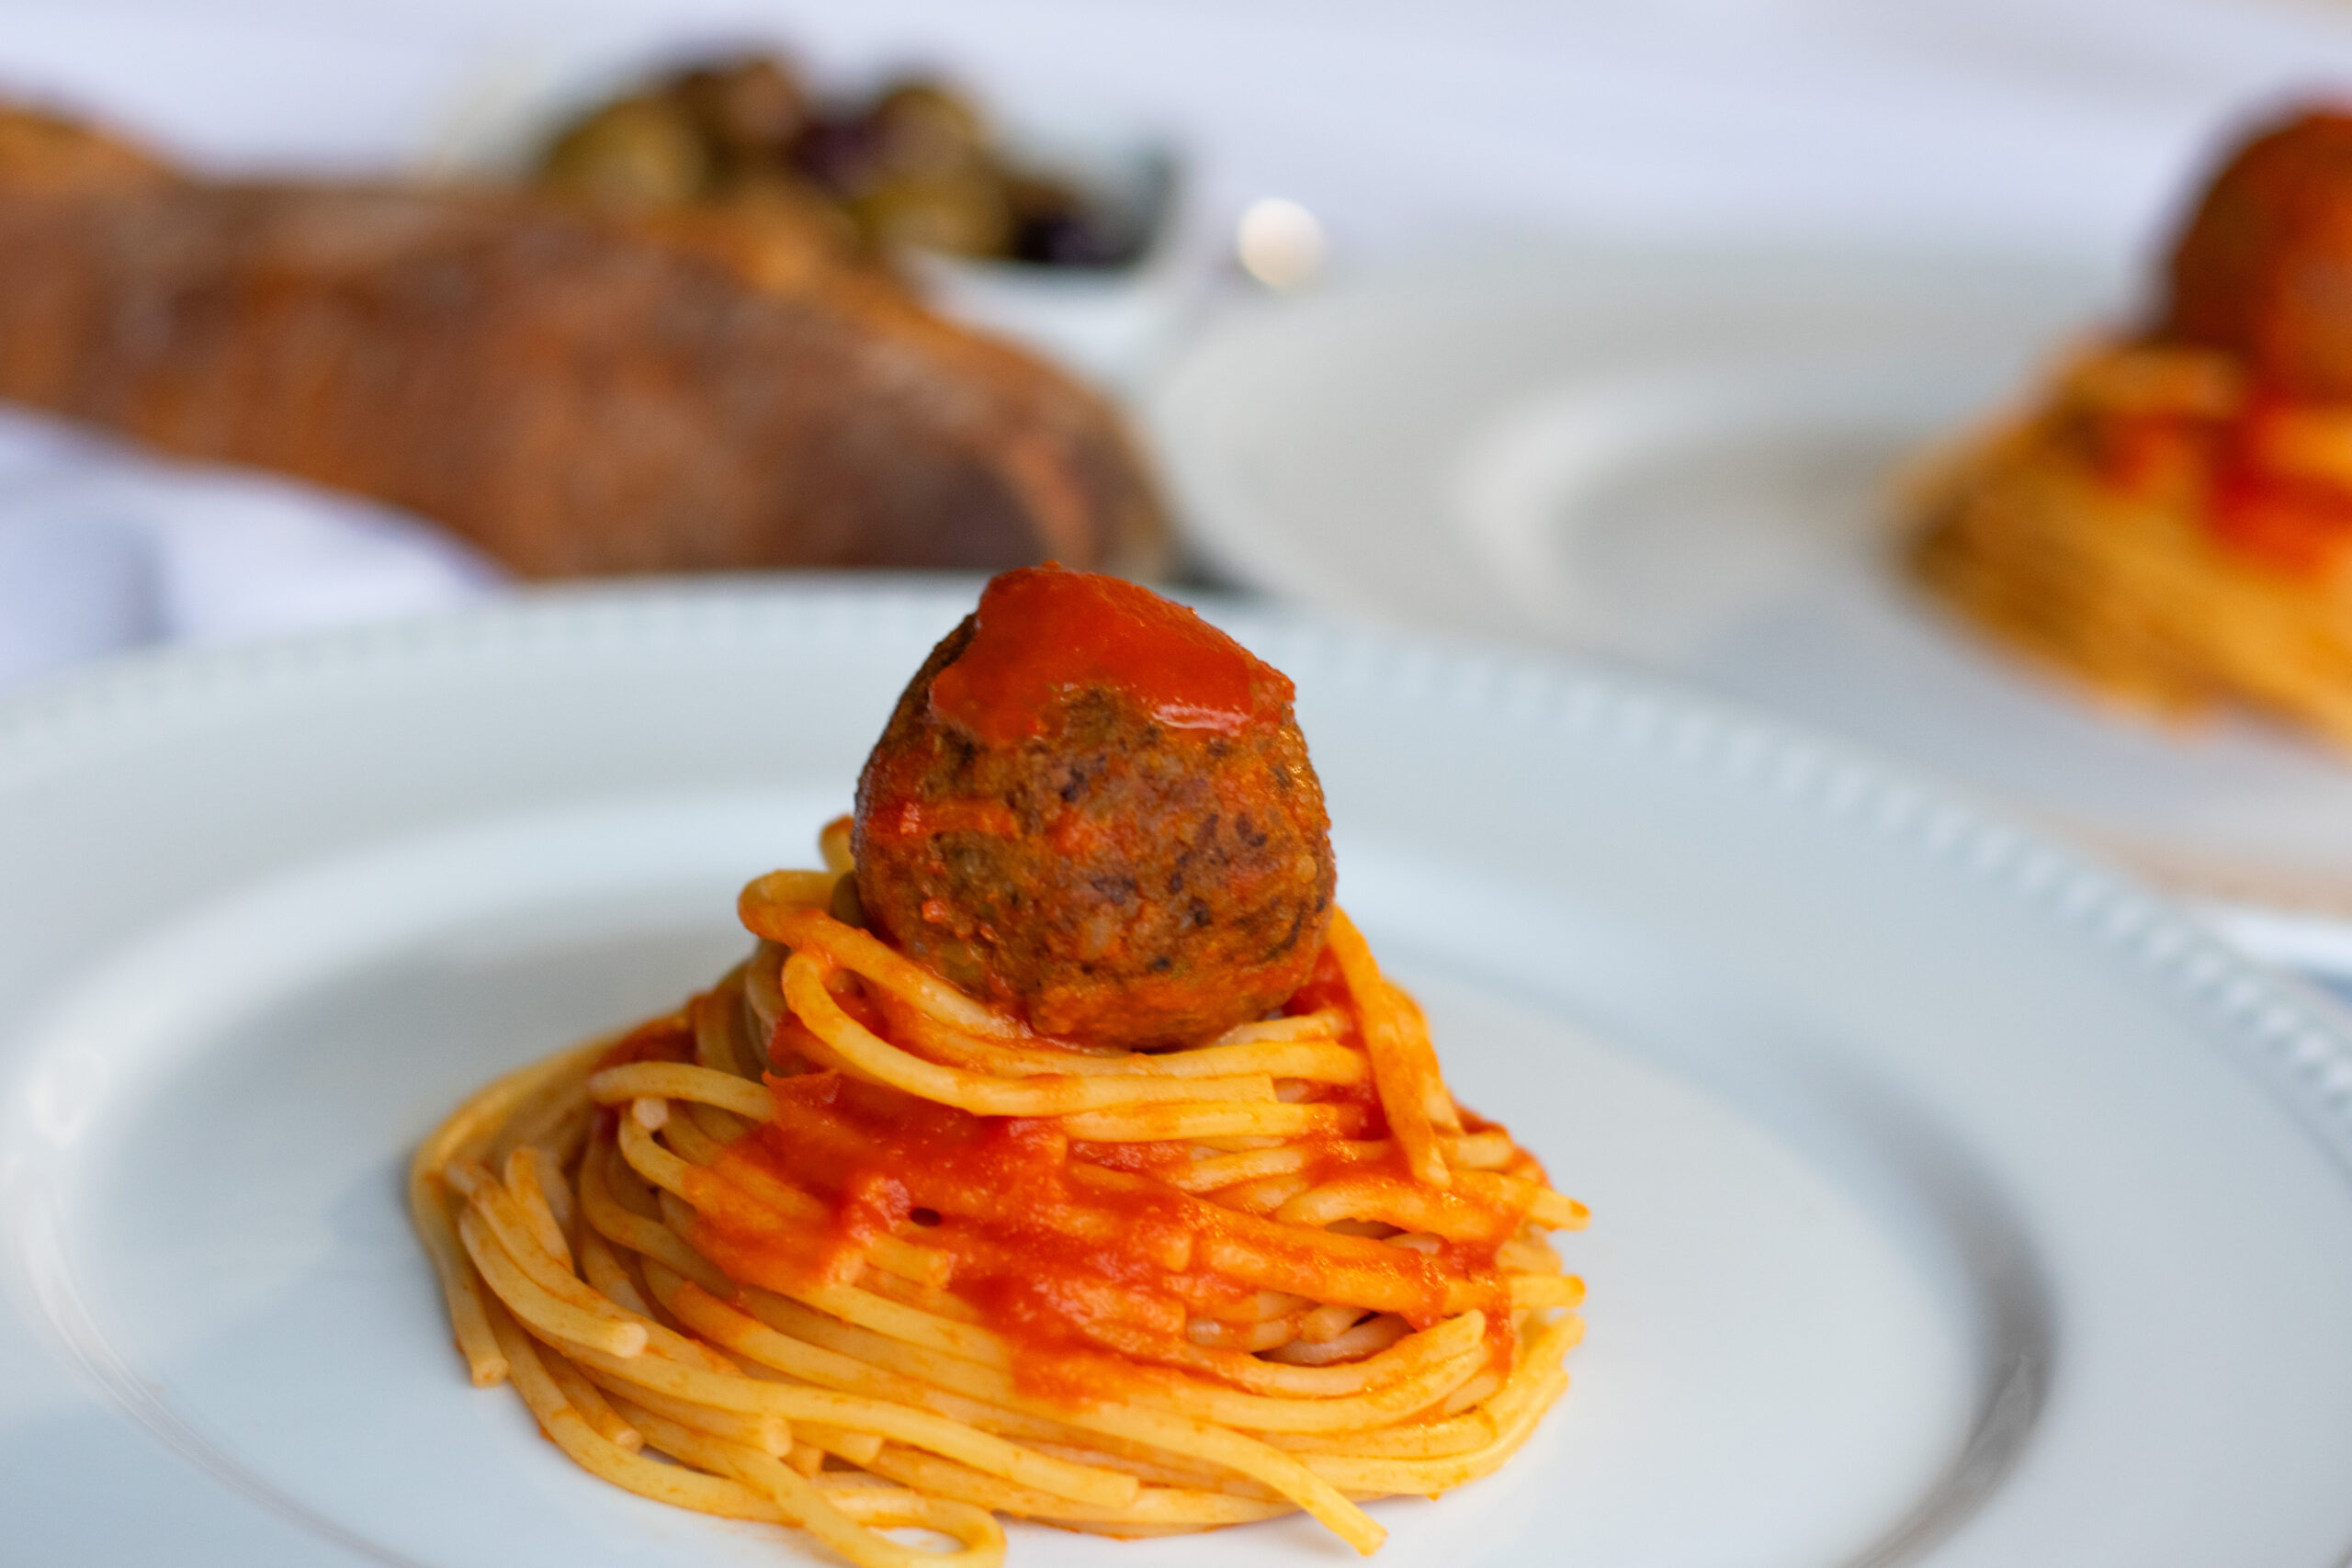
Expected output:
(1119, 881)
(2262, 269)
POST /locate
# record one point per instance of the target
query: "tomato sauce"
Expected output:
(2298, 528)
(1044, 633)
(1086, 1265)
(2279, 494)
(2264, 498)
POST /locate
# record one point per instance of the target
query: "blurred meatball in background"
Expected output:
(2264, 267)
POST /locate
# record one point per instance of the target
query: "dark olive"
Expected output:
(751, 108)
(839, 155)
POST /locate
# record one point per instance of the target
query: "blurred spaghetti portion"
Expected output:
(1159, 1218)
(2172, 520)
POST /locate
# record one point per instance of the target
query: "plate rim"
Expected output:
(2294, 1048)
(1231, 536)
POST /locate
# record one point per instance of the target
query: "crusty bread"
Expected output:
(574, 392)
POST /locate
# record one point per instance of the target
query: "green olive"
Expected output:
(779, 200)
(963, 214)
(636, 152)
(923, 130)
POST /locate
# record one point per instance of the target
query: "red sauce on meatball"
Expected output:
(1043, 632)
(1094, 808)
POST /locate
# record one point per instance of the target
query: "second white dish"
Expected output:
(1690, 459)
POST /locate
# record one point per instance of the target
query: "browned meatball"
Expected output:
(1053, 819)
(2264, 268)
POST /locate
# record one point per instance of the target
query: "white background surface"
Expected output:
(2063, 123)
(1991, 125)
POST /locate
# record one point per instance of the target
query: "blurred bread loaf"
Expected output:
(576, 392)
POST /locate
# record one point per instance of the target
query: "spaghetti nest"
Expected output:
(839, 1246)
(2163, 528)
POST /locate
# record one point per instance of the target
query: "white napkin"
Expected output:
(104, 548)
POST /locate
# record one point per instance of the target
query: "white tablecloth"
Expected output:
(104, 548)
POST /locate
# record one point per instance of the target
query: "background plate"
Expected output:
(1690, 459)
(1954, 1201)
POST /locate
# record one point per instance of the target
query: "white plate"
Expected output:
(1686, 459)
(1954, 1201)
